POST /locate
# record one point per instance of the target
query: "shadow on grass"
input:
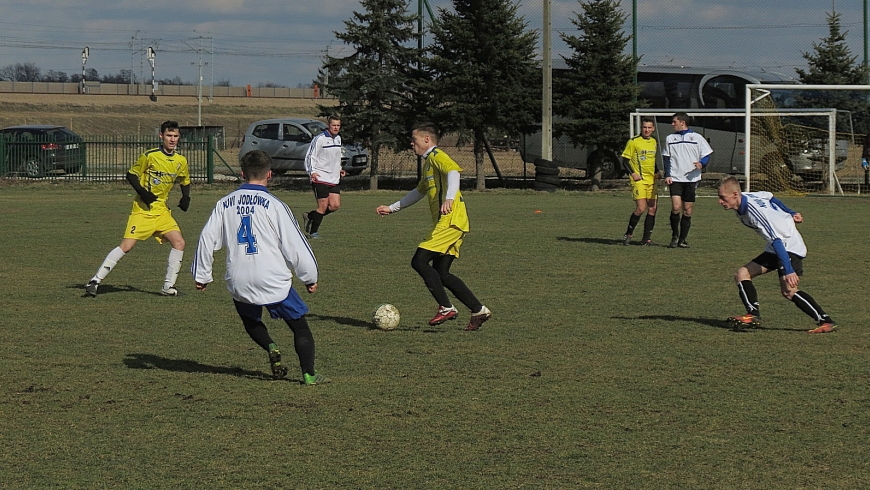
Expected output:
(709, 322)
(343, 320)
(150, 361)
(109, 289)
(600, 241)
(355, 322)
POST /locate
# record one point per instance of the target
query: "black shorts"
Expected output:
(770, 261)
(685, 190)
(322, 191)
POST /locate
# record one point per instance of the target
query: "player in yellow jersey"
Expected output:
(153, 176)
(435, 255)
(639, 160)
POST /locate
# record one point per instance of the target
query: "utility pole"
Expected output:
(85, 53)
(151, 57)
(199, 85)
(547, 103)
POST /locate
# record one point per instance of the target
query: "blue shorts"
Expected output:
(292, 308)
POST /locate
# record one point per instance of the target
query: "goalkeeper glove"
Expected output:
(864, 164)
(184, 203)
(147, 196)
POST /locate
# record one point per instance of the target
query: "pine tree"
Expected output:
(832, 63)
(372, 84)
(484, 75)
(597, 92)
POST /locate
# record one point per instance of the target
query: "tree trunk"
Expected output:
(480, 172)
(373, 168)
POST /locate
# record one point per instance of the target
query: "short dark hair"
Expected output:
(333, 117)
(646, 119)
(682, 116)
(427, 127)
(168, 126)
(256, 164)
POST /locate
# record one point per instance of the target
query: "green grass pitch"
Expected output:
(604, 366)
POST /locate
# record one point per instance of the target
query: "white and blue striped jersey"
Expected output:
(771, 219)
(682, 149)
(324, 158)
(264, 246)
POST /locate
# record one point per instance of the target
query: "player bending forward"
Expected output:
(263, 244)
(440, 184)
(785, 253)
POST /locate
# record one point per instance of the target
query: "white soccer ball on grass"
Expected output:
(386, 317)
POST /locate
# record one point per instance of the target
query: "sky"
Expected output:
(283, 42)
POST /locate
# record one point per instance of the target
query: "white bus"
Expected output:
(676, 89)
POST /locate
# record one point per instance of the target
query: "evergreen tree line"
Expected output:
(479, 76)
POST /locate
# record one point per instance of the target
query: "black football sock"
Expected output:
(303, 341)
(258, 333)
(648, 224)
(685, 224)
(675, 225)
(749, 297)
(632, 222)
(430, 276)
(316, 219)
(809, 306)
(454, 284)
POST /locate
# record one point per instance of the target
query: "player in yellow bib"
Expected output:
(639, 160)
(434, 256)
(153, 176)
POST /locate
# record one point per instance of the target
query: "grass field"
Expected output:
(603, 367)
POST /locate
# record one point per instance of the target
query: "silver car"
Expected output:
(287, 142)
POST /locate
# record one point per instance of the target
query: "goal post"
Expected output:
(804, 155)
(725, 129)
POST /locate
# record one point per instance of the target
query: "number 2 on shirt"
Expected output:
(245, 235)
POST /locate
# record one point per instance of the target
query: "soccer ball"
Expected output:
(386, 317)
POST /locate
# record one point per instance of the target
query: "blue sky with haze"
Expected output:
(282, 42)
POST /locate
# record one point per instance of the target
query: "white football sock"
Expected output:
(111, 261)
(172, 267)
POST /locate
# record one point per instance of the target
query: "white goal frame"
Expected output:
(831, 114)
(765, 89)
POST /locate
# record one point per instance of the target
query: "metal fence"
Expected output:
(98, 158)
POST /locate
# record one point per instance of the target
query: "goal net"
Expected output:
(803, 138)
(777, 135)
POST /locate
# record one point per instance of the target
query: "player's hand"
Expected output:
(447, 206)
(315, 176)
(312, 288)
(864, 164)
(343, 173)
(184, 203)
(698, 165)
(635, 176)
(798, 218)
(383, 210)
(200, 286)
(792, 280)
(147, 196)
(669, 180)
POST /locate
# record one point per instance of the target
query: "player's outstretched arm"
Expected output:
(147, 196)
